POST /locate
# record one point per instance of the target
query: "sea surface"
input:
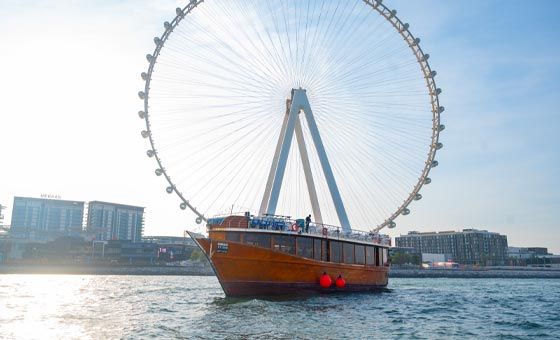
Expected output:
(103, 307)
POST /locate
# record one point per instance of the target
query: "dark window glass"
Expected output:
(348, 252)
(360, 252)
(258, 239)
(336, 251)
(284, 243)
(370, 256)
(317, 249)
(305, 247)
(377, 256)
(385, 256)
(233, 236)
(324, 250)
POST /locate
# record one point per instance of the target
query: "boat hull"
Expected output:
(247, 289)
(246, 270)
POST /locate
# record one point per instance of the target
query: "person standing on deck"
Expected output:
(307, 221)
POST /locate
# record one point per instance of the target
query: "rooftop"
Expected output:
(116, 204)
(48, 200)
(448, 232)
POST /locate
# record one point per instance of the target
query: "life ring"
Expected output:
(294, 227)
(325, 231)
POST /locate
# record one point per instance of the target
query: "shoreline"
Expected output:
(73, 269)
(105, 270)
(483, 273)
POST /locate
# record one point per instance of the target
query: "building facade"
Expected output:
(520, 253)
(539, 250)
(45, 219)
(532, 256)
(470, 246)
(2, 215)
(112, 221)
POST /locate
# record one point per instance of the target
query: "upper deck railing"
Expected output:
(297, 226)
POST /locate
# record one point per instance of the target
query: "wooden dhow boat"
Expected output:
(276, 255)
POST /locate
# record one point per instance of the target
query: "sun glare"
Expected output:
(41, 308)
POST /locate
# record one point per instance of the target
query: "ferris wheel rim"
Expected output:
(401, 28)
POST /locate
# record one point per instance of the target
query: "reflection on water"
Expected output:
(64, 306)
(36, 306)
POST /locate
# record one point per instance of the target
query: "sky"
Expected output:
(69, 124)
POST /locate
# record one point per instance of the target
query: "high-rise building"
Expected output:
(44, 219)
(112, 221)
(470, 246)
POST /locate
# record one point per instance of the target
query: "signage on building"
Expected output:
(51, 196)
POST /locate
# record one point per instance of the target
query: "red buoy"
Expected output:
(340, 282)
(325, 281)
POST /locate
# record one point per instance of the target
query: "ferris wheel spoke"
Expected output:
(343, 73)
(245, 121)
(256, 52)
(349, 138)
(229, 140)
(390, 130)
(226, 76)
(322, 36)
(245, 140)
(270, 51)
(250, 173)
(383, 170)
(225, 181)
(355, 56)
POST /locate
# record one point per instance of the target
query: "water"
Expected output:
(65, 306)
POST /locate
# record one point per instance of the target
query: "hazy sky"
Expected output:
(69, 124)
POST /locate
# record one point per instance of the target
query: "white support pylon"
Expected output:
(266, 197)
(329, 176)
(299, 102)
(308, 174)
(283, 157)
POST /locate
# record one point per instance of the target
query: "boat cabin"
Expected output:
(318, 242)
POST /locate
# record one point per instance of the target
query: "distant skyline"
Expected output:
(69, 124)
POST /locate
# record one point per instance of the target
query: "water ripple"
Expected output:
(132, 307)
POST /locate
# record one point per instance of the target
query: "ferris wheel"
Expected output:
(233, 86)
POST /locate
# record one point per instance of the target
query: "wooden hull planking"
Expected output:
(247, 270)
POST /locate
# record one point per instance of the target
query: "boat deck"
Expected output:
(277, 224)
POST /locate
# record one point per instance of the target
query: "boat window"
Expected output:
(317, 249)
(284, 243)
(360, 252)
(233, 236)
(377, 256)
(257, 239)
(305, 247)
(336, 251)
(216, 221)
(385, 257)
(370, 256)
(348, 252)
